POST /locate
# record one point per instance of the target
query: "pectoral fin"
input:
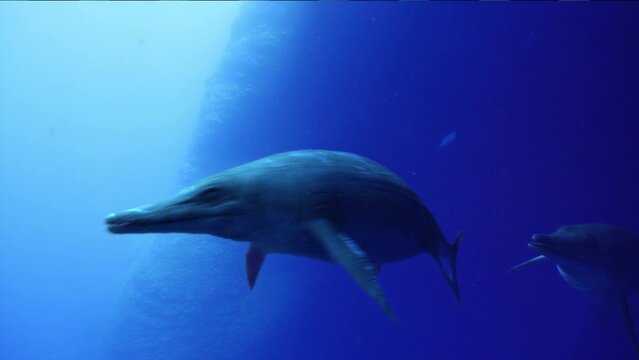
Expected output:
(534, 260)
(254, 260)
(345, 251)
(630, 328)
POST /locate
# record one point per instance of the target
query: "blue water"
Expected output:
(105, 107)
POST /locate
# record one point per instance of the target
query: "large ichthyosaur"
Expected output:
(598, 259)
(326, 205)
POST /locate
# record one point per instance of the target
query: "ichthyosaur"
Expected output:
(598, 259)
(327, 205)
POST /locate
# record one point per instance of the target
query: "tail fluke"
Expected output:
(447, 260)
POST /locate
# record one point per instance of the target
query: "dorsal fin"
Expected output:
(254, 261)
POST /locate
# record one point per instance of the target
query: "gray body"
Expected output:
(598, 259)
(326, 205)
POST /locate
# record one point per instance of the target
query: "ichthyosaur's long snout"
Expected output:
(205, 209)
(156, 218)
(563, 245)
(126, 221)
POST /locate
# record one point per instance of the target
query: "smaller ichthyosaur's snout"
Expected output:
(540, 242)
(568, 244)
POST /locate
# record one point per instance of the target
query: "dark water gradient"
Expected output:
(544, 100)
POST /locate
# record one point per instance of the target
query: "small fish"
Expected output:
(449, 138)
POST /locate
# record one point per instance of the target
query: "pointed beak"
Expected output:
(145, 219)
(122, 222)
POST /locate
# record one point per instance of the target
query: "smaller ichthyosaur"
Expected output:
(327, 205)
(598, 259)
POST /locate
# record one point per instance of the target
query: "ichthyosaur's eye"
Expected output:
(210, 193)
(214, 195)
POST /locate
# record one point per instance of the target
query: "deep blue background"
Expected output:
(544, 98)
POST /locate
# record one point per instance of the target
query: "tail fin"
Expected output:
(447, 260)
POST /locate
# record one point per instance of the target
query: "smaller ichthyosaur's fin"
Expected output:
(345, 251)
(254, 261)
(526, 263)
(630, 328)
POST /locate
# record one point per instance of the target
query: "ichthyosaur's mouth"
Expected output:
(128, 222)
(125, 226)
(176, 217)
(540, 242)
(144, 219)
